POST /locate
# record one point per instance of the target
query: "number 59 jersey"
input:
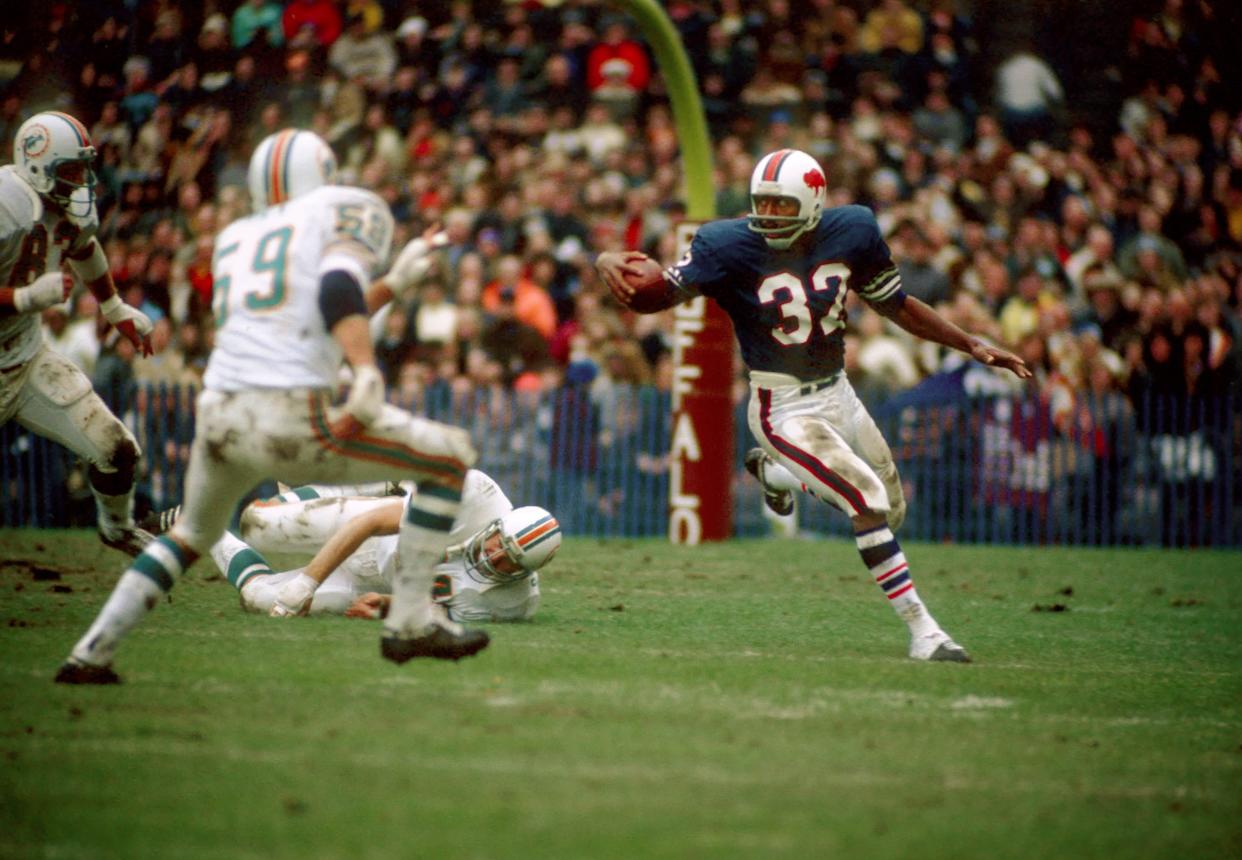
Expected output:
(788, 306)
(265, 293)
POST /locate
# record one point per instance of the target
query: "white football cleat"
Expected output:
(937, 647)
(779, 502)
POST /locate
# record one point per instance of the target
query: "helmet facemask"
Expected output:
(75, 192)
(494, 558)
(779, 231)
(514, 546)
(791, 187)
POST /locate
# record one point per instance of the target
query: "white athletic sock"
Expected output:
(148, 578)
(421, 541)
(887, 563)
(114, 514)
(777, 477)
(238, 561)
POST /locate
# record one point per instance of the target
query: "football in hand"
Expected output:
(651, 292)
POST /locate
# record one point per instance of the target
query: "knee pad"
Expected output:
(120, 477)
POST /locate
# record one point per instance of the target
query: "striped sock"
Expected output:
(238, 561)
(421, 541)
(887, 563)
(149, 577)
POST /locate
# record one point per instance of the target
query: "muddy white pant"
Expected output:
(822, 433)
(50, 396)
(244, 437)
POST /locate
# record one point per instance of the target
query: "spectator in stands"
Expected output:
(364, 55)
(531, 305)
(919, 275)
(891, 22)
(257, 19)
(311, 23)
(1030, 98)
(617, 46)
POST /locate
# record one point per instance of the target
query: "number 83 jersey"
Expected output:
(266, 271)
(788, 306)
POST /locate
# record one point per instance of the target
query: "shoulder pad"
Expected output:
(17, 197)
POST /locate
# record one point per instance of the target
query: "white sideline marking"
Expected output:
(980, 703)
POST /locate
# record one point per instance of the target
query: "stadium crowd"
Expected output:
(1108, 254)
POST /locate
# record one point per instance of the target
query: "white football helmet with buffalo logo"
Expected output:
(792, 174)
(288, 164)
(54, 155)
(513, 546)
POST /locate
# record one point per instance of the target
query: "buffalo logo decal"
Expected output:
(814, 180)
(36, 141)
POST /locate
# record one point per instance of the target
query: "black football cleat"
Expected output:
(73, 672)
(131, 541)
(442, 643)
(779, 502)
(159, 522)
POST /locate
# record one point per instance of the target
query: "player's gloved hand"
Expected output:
(414, 261)
(47, 290)
(369, 606)
(364, 404)
(129, 321)
(294, 597)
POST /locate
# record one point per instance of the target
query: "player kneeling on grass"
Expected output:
(489, 572)
(782, 276)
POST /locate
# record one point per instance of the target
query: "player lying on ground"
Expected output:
(290, 307)
(782, 274)
(48, 220)
(489, 572)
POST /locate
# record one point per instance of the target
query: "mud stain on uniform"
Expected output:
(217, 448)
(284, 449)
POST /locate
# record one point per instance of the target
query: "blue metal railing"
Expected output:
(1102, 472)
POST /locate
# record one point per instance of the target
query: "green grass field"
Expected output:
(745, 700)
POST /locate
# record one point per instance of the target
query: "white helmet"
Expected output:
(288, 164)
(514, 546)
(45, 145)
(793, 174)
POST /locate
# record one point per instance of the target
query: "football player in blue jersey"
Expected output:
(781, 274)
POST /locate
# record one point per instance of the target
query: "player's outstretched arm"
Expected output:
(919, 319)
(410, 267)
(91, 266)
(295, 596)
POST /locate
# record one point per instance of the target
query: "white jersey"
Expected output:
(266, 271)
(34, 239)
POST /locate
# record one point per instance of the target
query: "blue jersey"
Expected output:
(788, 306)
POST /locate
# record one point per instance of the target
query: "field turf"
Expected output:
(747, 700)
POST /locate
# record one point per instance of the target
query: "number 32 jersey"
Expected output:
(788, 306)
(266, 271)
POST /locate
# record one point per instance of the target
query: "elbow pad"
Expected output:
(340, 296)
